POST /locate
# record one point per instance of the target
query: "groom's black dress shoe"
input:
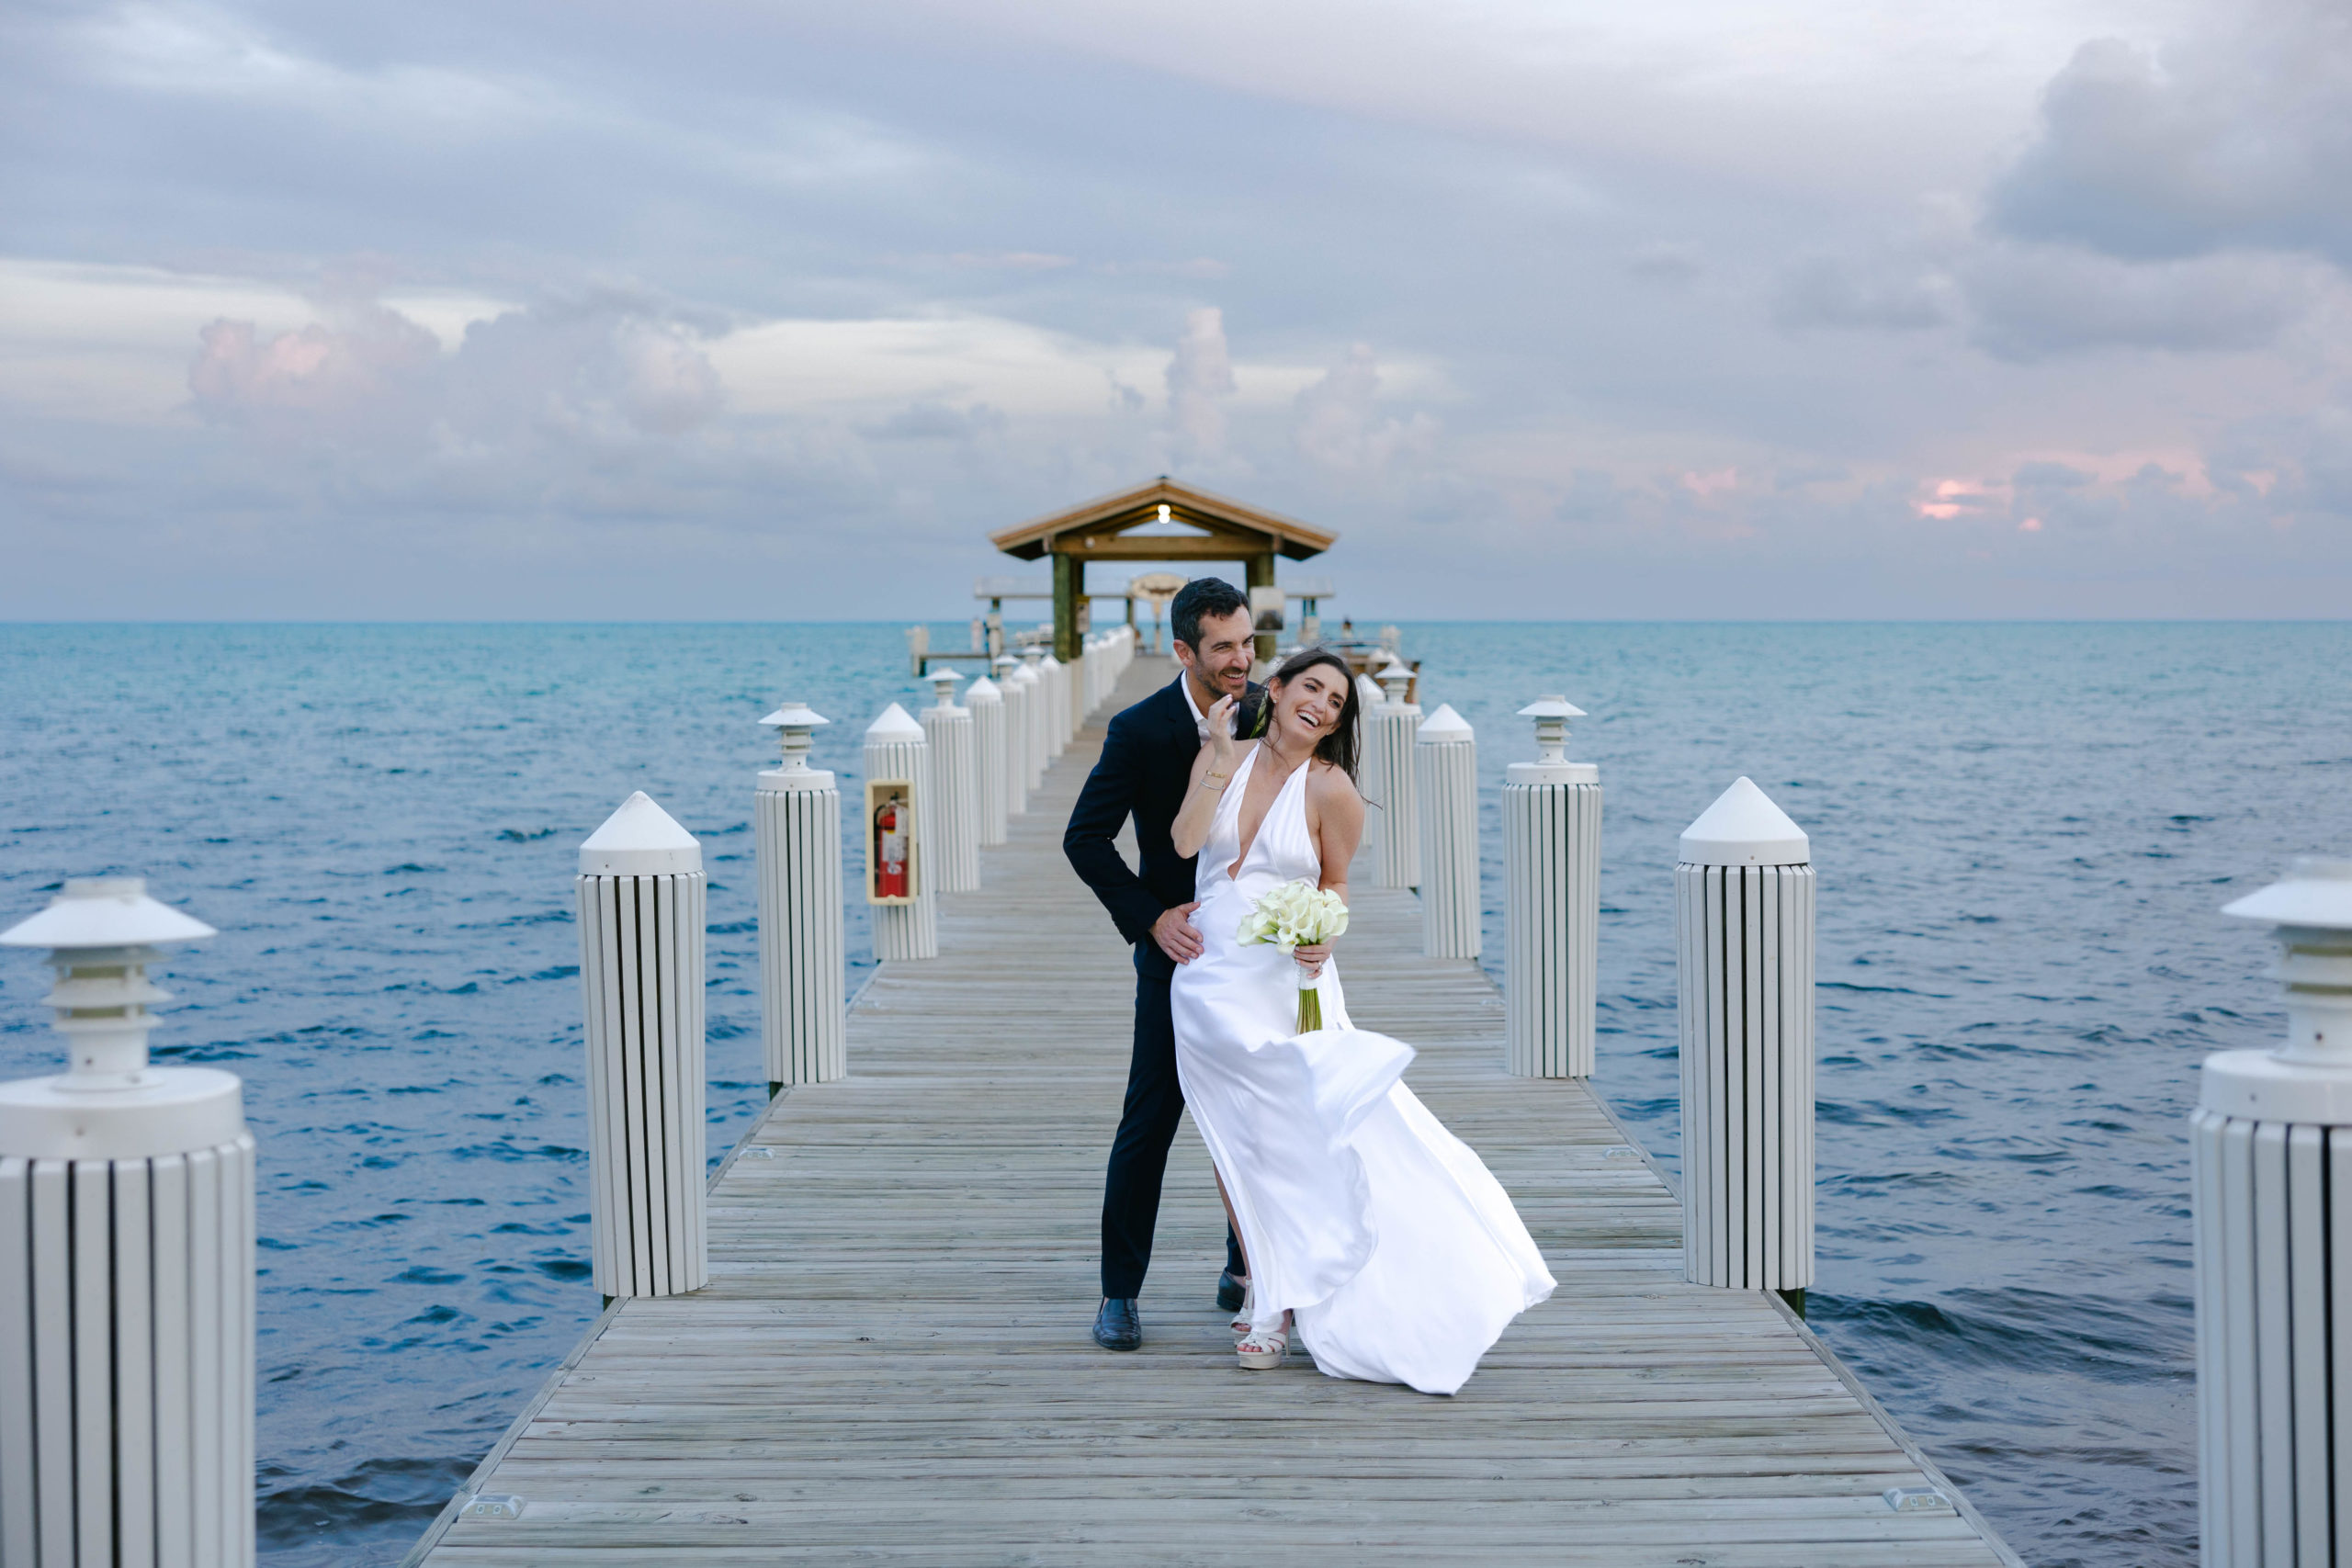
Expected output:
(1116, 1327)
(1228, 1292)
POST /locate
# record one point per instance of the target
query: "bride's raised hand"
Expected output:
(1220, 717)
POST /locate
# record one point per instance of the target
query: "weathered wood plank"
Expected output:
(890, 1363)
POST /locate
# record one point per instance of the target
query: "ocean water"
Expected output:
(2022, 833)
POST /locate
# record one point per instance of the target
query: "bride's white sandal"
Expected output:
(1261, 1349)
(1241, 1323)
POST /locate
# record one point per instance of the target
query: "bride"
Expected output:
(1370, 1231)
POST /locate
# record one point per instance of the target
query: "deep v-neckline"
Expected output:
(1240, 777)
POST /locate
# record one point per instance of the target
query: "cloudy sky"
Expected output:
(720, 308)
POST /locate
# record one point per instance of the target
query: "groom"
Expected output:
(1144, 771)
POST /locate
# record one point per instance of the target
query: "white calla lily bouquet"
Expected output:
(1297, 914)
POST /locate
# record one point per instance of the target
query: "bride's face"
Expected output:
(1309, 706)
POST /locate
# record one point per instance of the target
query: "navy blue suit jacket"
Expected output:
(1144, 771)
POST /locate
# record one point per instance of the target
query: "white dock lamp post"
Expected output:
(641, 918)
(1009, 680)
(1744, 920)
(1445, 771)
(126, 1267)
(1396, 722)
(956, 846)
(1552, 900)
(796, 821)
(2270, 1163)
(986, 700)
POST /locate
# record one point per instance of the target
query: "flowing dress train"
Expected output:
(1398, 1251)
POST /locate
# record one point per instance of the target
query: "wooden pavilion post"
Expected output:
(1260, 569)
(1069, 592)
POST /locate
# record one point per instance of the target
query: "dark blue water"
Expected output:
(2022, 833)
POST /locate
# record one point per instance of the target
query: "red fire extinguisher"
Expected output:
(890, 853)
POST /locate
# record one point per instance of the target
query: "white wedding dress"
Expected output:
(1400, 1254)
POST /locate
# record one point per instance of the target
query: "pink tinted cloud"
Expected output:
(1946, 499)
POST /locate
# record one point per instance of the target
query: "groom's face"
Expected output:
(1221, 662)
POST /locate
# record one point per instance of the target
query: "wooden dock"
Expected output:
(891, 1363)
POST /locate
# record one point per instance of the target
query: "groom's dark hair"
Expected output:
(1210, 596)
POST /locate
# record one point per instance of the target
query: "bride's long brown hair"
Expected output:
(1345, 743)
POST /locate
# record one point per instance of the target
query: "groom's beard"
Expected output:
(1235, 684)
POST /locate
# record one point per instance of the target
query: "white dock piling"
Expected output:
(1744, 918)
(1396, 723)
(641, 918)
(126, 1268)
(1368, 699)
(987, 701)
(1055, 675)
(796, 827)
(1041, 710)
(956, 843)
(895, 749)
(1552, 901)
(1016, 690)
(2270, 1162)
(1445, 774)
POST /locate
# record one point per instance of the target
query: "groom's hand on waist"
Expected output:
(1174, 933)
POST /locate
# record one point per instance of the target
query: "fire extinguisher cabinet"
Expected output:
(898, 799)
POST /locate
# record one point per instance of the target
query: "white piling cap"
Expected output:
(982, 690)
(1049, 662)
(796, 715)
(943, 679)
(105, 911)
(1443, 725)
(1551, 705)
(1744, 827)
(639, 840)
(2314, 894)
(894, 725)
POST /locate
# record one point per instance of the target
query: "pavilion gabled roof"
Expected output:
(1100, 529)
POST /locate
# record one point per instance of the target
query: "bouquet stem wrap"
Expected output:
(1294, 915)
(1310, 1003)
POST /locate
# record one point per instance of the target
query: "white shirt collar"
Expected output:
(1200, 720)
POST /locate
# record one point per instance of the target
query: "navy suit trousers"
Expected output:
(1147, 1129)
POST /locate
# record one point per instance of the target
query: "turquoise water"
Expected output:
(2022, 833)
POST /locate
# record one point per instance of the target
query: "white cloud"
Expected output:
(2029, 302)
(799, 366)
(1200, 376)
(1885, 295)
(1340, 427)
(2238, 134)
